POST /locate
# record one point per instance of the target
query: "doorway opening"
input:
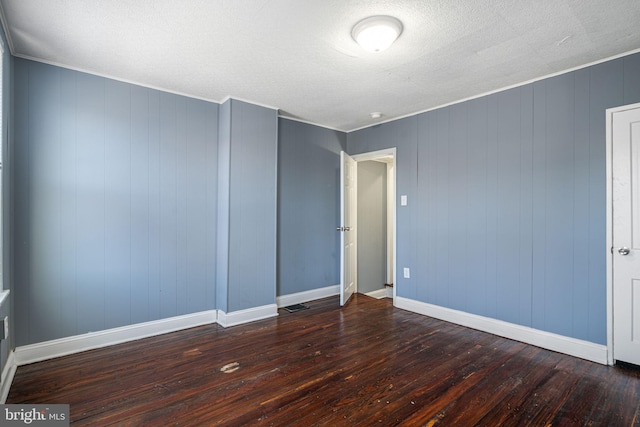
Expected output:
(373, 225)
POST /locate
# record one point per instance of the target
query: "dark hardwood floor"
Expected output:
(366, 364)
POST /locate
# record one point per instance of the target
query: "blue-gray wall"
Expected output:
(115, 203)
(222, 226)
(7, 270)
(372, 226)
(506, 200)
(308, 206)
(248, 144)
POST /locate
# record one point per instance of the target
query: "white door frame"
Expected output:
(377, 155)
(609, 172)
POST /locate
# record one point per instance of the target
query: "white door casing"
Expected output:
(625, 188)
(348, 200)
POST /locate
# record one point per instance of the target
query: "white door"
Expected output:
(348, 192)
(626, 235)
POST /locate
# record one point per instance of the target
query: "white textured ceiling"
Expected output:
(298, 55)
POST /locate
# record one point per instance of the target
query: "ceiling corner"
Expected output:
(5, 29)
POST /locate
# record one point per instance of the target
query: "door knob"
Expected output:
(624, 251)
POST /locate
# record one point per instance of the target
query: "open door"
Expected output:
(347, 229)
(626, 235)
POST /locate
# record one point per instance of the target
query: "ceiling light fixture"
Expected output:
(375, 115)
(377, 33)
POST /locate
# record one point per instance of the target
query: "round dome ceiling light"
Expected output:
(377, 33)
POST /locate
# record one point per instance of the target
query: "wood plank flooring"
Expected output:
(366, 364)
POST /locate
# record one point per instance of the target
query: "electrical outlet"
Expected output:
(403, 200)
(407, 273)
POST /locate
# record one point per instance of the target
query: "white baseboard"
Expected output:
(77, 343)
(550, 341)
(32, 353)
(378, 294)
(314, 294)
(7, 377)
(248, 315)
